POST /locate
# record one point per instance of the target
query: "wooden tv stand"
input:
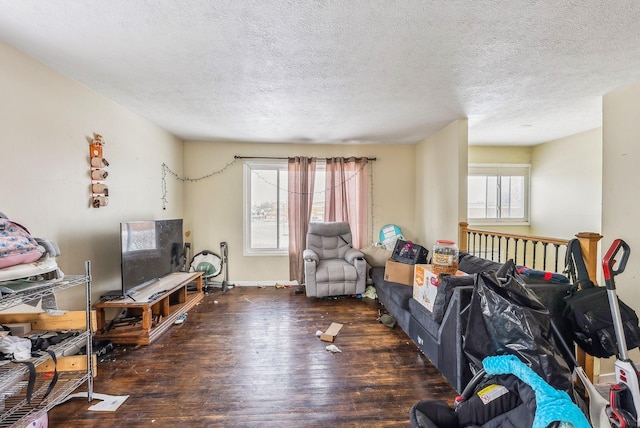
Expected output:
(150, 311)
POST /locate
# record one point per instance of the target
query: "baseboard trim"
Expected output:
(273, 283)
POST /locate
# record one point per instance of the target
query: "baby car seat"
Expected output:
(505, 393)
(496, 401)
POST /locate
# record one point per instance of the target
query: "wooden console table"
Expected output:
(153, 309)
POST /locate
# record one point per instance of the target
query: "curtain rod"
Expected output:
(282, 158)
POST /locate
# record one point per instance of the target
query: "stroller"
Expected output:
(522, 377)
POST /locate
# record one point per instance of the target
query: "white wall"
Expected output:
(214, 206)
(44, 168)
(441, 184)
(621, 173)
(566, 186)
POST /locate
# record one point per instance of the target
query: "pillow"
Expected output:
(376, 256)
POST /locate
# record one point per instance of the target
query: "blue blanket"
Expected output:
(551, 404)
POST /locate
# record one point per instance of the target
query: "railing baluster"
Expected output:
(506, 250)
(485, 245)
(533, 248)
(493, 247)
(544, 256)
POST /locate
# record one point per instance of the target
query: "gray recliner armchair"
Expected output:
(331, 266)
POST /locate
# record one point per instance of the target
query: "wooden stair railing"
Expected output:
(535, 252)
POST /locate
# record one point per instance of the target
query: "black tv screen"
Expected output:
(150, 250)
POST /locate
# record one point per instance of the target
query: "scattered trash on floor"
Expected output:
(215, 302)
(370, 292)
(319, 333)
(332, 348)
(181, 318)
(278, 285)
(109, 403)
(331, 333)
(387, 320)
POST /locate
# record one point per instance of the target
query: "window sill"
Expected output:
(265, 253)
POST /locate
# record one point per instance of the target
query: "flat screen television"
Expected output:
(149, 251)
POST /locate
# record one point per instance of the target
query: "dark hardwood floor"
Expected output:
(250, 357)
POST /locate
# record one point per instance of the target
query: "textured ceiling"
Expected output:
(351, 71)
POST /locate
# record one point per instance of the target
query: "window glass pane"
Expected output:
(264, 205)
(512, 197)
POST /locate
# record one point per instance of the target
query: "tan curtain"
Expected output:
(347, 196)
(302, 174)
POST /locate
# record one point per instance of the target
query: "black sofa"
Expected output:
(442, 340)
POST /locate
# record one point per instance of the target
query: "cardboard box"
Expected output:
(401, 273)
(425, 285)
(331, 333)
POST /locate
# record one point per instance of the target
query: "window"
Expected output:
(266, 210)
(498, 194)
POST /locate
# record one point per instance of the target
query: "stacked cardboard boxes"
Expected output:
(425, 285)
(399, 268)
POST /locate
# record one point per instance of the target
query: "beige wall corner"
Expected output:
(441, 183)
(46, 120)
(575, 205)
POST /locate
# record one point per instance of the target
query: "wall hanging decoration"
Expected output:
(99, 190)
